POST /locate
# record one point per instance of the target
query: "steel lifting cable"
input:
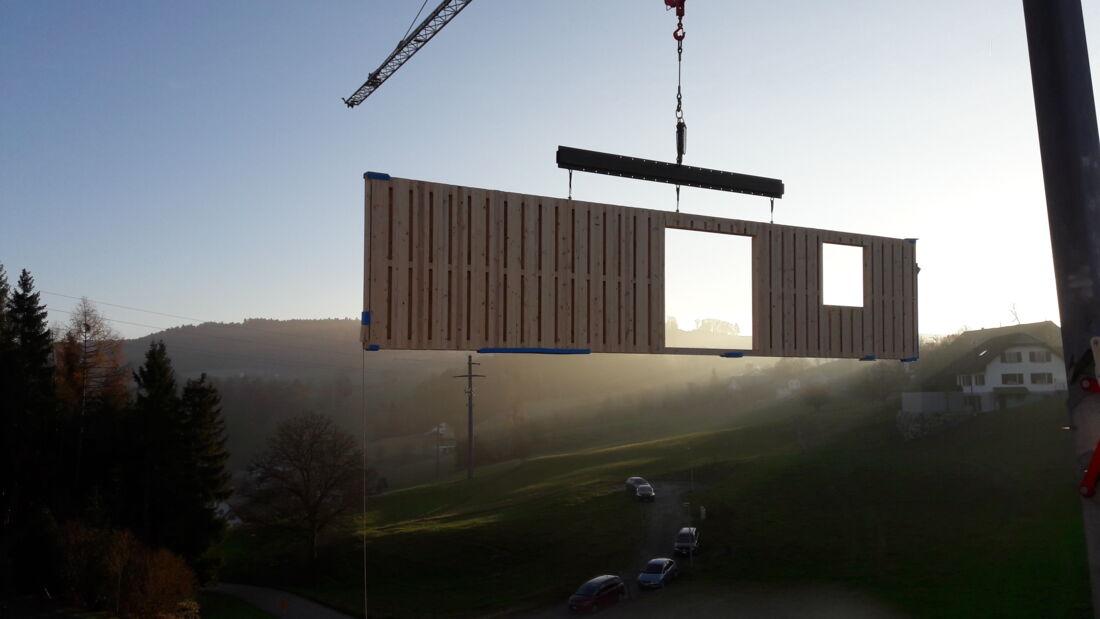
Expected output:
(681, 126)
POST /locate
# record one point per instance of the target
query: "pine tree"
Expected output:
(28, 397)
(156, 435)
(209, 480)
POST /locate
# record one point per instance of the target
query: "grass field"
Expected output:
(982, 520)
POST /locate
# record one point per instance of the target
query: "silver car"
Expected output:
(687, 541)
(645, 492)
(657, 573)
(632, 483)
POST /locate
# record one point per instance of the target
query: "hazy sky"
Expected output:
(194, 158)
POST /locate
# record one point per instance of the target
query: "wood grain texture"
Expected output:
(457, 268)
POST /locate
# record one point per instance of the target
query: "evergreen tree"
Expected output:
(156, 435)
(28, 397)
(205, 431)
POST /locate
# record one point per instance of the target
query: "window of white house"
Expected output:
(979, 379)
(964, 380)
(1012, 357)
(1042, 378)
(1039, 356)
(1012, 379)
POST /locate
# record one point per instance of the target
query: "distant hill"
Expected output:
(269, 370)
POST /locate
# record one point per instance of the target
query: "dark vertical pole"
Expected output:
(469, 416)
(1070, 149)
(470, 376)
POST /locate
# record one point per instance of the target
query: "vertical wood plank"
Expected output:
(788, 291)
(512, 212)
(531, 292)
(613, 284)
(581, 273)
(775, 279)
(761, 323)
(479, 269)
(867, 339)
(813, 293)
(801, 319)
(629, 279)
(877, 299)
(598, 281)
(657, 284)
(545, 282)
(898, 304)
(642, 301)
(909, 325)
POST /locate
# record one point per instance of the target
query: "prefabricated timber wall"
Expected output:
(457, 268)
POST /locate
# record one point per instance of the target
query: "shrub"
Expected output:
(110, 570)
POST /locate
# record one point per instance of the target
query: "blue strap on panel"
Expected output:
(537, 351)
(910, 359)
(911, 240)
(378, 176)
(732, 355)
(366, 318)
(374, 347)
(867, 358)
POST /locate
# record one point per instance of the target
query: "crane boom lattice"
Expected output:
(408, 46)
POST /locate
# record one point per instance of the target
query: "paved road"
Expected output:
(660, 521)
(279, 603)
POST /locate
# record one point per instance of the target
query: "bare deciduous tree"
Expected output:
(307, 479)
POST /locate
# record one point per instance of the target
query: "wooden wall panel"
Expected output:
(458, 268)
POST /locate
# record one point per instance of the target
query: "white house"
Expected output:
(994, 369)
(1006, 373)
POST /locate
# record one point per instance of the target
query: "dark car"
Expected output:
(657, 573)
(687, 541)
(600, 592)
(645, 492)
(632, 483)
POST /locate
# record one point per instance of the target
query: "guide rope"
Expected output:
(771, 220)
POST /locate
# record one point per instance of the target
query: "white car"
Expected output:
(645, 492)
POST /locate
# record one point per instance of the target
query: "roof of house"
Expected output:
(973, 350)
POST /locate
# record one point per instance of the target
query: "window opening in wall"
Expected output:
(1012, 357)
(979, 380)
(964, 380)
(841, 275)
(1012, 379)
(1042, 378)
(1039, 357)
(708, 290)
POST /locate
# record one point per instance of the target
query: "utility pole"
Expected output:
(470, 376)
(1065, 112)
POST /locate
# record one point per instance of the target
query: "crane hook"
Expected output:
(679, 33)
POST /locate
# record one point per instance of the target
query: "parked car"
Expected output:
(645, 492)
(632, 483)
(657, 573)
(600, 592)
(687, 541)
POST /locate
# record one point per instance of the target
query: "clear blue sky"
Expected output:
(194, 158)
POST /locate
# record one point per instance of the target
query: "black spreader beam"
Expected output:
(661, 172)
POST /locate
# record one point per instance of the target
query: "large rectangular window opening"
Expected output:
(708, 290)
(841, 275)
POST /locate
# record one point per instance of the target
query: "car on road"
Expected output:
(687, 541)
(645, 492)
(632, 483)
(600, 592)
(657, 573)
